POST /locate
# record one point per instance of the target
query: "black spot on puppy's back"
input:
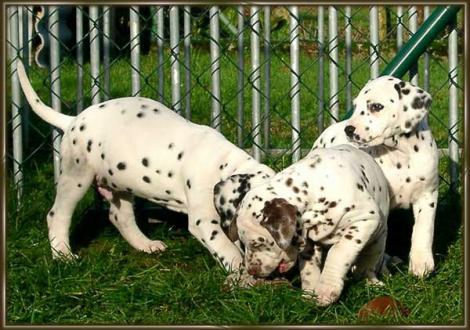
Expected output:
(398, 89)
(89, 144)
(213, 234)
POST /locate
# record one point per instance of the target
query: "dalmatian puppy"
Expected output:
(137, 146)
(335, 197)
(390, 123)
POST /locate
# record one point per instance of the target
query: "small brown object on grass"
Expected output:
(381, 306)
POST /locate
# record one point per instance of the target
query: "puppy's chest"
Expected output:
(406, 181)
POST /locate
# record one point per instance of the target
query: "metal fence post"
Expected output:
(187, 61)
(453, 108)
(174, 59)
(267, 76)
(413, 27)
(25, 45)
(135, 49)
(333, 52)
(94, 55)
(426, 56)
(255, 81)
(215, 66)
(399, 27)
(347, 37)
(79, 56)
(321, 55)
(15, 102)
(55, 82)
(240, 76)
(160, 37)
(30, 35)
(20, 31)
(24, 42)
(295, 81)
(374, 41)
(106, 45)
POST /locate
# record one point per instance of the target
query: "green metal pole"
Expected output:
(415, 47)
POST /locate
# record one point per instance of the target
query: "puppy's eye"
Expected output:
(256, 245)
(375, 107)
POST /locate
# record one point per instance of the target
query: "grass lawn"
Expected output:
(113, 284)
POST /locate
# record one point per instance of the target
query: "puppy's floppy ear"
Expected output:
(280, 218)
(416, 104)
(228, 194)
(232, 231)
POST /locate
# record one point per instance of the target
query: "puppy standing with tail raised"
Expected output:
(137, 146)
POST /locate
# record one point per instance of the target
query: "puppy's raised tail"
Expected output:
(48, 114)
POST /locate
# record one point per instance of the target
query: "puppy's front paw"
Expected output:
(154, 246)
(308, 294)
(239, 280)
(326, 294)
(421, 263)
(62, 252)
(66, 257)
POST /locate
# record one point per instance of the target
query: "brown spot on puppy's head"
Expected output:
(279, 218)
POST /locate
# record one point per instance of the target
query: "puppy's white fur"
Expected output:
(137, 146)
(336, 197)
(401, 142)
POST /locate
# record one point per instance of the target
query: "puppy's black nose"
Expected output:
(349, 130)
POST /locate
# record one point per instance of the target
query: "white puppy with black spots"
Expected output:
(390, 123)
(334, 197)
(137, 146)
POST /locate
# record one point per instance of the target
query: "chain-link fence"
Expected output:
(269, 78)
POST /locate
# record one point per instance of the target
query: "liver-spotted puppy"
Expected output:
(334, 197)
(390, 123)
(137, 146)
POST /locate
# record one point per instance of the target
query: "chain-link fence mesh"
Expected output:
(269, 78)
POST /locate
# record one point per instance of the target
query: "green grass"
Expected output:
(113, 284)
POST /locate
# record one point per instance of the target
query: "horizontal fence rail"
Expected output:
(270, 78)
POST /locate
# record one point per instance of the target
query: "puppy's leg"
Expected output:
(204, 224)
(71, 187)
(342, 256)
(121, 215)
(371, 259)
(421, 257)
(310, 267)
